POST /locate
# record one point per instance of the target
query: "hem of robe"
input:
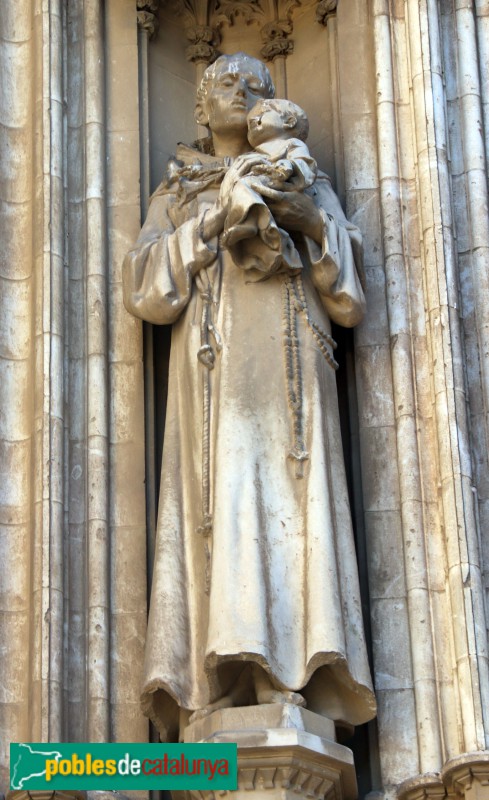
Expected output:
(161, 699)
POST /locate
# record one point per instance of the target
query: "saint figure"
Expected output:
(255, 595)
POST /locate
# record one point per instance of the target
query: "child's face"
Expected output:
(265, 123)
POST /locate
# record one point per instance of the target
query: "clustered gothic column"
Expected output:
(422, 668)
(72, 536)
(277, 39)
(440, 697)
(127, 566)
(32, 386)
(17, 359)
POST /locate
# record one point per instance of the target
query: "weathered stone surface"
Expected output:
(47, 795)
(260, 718)
(398, 96)
(283, 752)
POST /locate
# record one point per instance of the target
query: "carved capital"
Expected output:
(325, 9)
(428, 786)
(204, 41)
(148, 5)
(276, 38)
(468, 775)
(147, 15)
(465, 777)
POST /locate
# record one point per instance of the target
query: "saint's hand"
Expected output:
(296, 211)
(242, 166)
(214, 218)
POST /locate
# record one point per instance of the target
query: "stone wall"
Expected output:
(72, 540)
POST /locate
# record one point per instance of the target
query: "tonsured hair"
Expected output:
(213, 70)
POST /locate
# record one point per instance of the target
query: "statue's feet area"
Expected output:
(266, 695)
(276, 696)
(200, 713)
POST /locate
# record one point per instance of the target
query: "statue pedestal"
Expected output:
(284, 753)
(21, 794)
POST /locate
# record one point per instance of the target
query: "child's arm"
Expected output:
(304, 168)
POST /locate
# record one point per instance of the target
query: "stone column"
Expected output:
(127, 510)
(17, 98)
(32, 161)
(466, 53)
(72, 519)
(105, 549)
(277, 46)
(440, 708)
(463, 615)
(402, 330)
(326, 16)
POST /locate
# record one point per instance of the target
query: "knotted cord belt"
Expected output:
(294, 303)
(207, 357)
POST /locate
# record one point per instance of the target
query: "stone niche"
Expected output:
(307, 46)
(293, 37)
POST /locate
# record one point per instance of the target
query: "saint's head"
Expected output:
(228, 91)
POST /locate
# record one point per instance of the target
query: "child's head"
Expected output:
(276, 119)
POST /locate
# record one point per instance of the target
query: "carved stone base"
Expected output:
(64, 795)
(468, 775)
(45, 795)
(428, 786)
(284, 753)
(465, 777)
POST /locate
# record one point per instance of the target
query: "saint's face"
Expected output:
(233, 93)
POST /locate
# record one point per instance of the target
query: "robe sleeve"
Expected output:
(336, 265)
(305, 165)
(157, 273)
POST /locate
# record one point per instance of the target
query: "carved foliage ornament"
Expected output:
(204, 41)
(325, 9)
(226, 11)
(201, 31)
(147, 15)
(276, 38)
(148, 5)
(191, 11)
(202, 20)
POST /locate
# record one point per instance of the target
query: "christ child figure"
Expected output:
(280, 162)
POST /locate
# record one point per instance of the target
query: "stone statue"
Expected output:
(248, 255)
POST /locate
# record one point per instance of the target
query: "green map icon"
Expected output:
(21, 772)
